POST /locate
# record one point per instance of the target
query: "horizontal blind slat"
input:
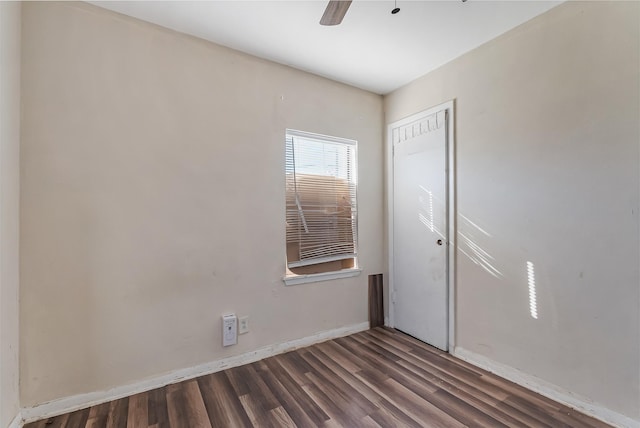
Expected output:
(320, 199)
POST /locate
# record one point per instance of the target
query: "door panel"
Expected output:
(419, 221)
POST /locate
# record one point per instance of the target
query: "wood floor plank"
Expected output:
(186, 406)
(117, 417)
(238, 381)
(467, 393)
(157, 411)
(399, 374)
(410, 341)
(338, 414)
(446, 365)
(303, 373)
(290, 404)
(279, 417)
(348, 411)
(176, 407)
(257, 400)
(196, 411)
(368, 422)
(365, 365)
(563, 417)
(37, 424)
(472, 396)
(472, 393)
(386, 411)
(445, 380)
(385, 418)
(58, 422)
(98, 416)
(574, 418)
(375, 347)
(535, 412)
(253, 411)
(337, 385)
(299, 367)
(373, 365)
(331, 424)
(376, 378)
(476, 397)
(223, 405)
(463, 411)
(415, 405)
(376, 334)
(260, 390)
(399, 342)
(78, 418)
(284, 376)
(138, 412)
(337, 354)
(492, 382)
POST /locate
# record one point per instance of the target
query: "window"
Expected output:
(321, 206)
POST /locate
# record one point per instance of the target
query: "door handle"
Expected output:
(439, 241)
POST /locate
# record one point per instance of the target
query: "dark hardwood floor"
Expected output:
(377, 378)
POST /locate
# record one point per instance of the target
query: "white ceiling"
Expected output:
(371, 49)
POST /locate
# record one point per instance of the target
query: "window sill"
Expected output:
(317, 277)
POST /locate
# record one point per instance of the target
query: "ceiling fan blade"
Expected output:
(335, 11)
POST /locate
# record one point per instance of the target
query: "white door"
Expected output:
(420, 227)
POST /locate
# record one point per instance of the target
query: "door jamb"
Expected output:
(449, 107)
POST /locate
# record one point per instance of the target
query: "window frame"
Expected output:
(292, 278)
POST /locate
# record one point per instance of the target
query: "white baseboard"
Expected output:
(547, 389)
(82, 401)
(16, 422)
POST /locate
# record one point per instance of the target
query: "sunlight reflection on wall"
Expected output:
(468, 245)
(533, 304)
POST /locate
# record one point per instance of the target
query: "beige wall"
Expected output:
(548, 166)
(153, 200)
(9, 208)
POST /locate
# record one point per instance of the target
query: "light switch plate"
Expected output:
(243, 325)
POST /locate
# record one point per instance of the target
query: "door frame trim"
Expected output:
(449, 107)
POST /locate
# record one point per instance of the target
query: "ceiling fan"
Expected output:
(335, 11)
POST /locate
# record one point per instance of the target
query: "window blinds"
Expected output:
(321, 181)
